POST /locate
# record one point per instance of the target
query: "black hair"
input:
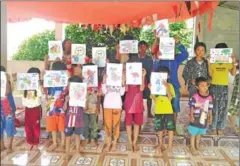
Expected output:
(64, 42)
(200, 79)
(200, 44)
(133, 57)
(58, 65)
(128, 37)
(89, 64)
(76, 79)
(142, 43)
(111, 56)
(3, 68)
(32, 70)
(221, 45)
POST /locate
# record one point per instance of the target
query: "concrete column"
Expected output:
(4, 34)
(59, 31)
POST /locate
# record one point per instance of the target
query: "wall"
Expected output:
(225, 28)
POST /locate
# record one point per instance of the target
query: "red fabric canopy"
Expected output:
(108, 13)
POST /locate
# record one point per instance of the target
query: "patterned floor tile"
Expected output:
(149, 150)
(116, 161)
(146, 139)
(86, 160)
(121, 148)
(232, 153)
(217, 163)
(207, 142)
(89, 148)
(211, 153)
(179, 151)
(50, 159)
(179, 162)
(150, 162)
(228, 143)
(19, 158)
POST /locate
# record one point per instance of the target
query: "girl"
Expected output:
(133, 106)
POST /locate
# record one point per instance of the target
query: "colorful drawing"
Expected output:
(167, 48)
(3, 84)
(157, 87)
(221, 55)
(128, 46)
(55, 78)
(78, 53)
(27, 81)
(161, 27)
(134, 73)
(90, 75)
(114, 74)
(99, 56)
(55, 50)
(78, 94)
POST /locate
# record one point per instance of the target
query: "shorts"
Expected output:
(70, 130)
(193, 130)
(164, 122)
(55, 123)
(176, 101)
(7, 125)
(137, 118)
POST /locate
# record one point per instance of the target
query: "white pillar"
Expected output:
(4, 34)
(59, 31)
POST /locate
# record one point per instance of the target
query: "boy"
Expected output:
(200, 113)
(164, 118)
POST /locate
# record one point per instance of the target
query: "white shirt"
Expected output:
(32, 101)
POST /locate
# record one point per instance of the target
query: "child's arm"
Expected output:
(192, 115)
(210, 118)
(98, 104)
(169, 94)
(65, 105)
(142, 87)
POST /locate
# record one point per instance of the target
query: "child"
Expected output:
(112, 112)
(200, 113)
(56, 116)
(133, 106)
(7, 122)
(164, 118)
(32, 102)
(235, 103)
(90, 130)
(73, 120)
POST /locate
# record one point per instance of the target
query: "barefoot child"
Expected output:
(32, 103)
(200, 113)
(164, 117)
(73, 120)
(8, 109)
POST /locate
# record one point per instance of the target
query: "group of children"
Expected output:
(69, 120)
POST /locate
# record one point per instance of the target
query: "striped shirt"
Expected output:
(74, 117)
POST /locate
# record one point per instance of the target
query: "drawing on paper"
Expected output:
(27, 81)
(221, 55)
(128, 46)
(3, 84)
(167, 48)
(161, 27)
(55, 50)
(99, 56)
(157, 87)
(78, 53)
(77, 94)
(90, 75)
(114, 73)
(134, 73)
(55, 78)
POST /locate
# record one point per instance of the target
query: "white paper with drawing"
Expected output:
(77, 94)
(221, 55)
(157, 87)
(167, 48)
(55, 50)
(99, 56)
(128, 46)
(78, 53)
(90, 75)
(27, 81)
(161, 27)
(3, 84)
(55, 78)
(133, 73)
(114, 74)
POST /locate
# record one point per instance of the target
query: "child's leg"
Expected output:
(128, 121)
(108, 119)
(116, 127)
(29, 128)
(86, 124)
(36, 126)
(77, 142)
(2, 144)
(193, 132)
(54, 138)
(197, 145)
(11, 131)
(93, 129)
(62, 140)
(135, 137)
(9, 146)
(68, 145)
(160, 141)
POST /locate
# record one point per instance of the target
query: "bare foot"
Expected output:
(193, 151)
(114, 148)
(9, 150)
(84, 142)
(66, 157)
(51, 148)
(199, 148)
(214, 132)
(220, 132)
(135, 148)
(130, 147)
(107, 148)
(62, 147)
(94, 143)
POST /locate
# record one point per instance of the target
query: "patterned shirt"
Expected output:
(92, 101)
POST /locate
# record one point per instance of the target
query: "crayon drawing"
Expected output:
(221, 55)
(128, 46)
(99, 56)
(167, 48)
(78, 53)
(27, 81)
(114, 74)
(157, 87)
(55, 78)
(161, 27)
(55, 50)
(3, 83)
(90, 75)
(134, 73)
(77, 94)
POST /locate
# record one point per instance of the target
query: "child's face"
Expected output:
(142, 49)
(203, 87)
(200, 51)
(77, 70)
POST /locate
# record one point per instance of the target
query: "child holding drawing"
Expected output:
(164, 118)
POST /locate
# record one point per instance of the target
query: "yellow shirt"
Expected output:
(220, 73)
(163, 104)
